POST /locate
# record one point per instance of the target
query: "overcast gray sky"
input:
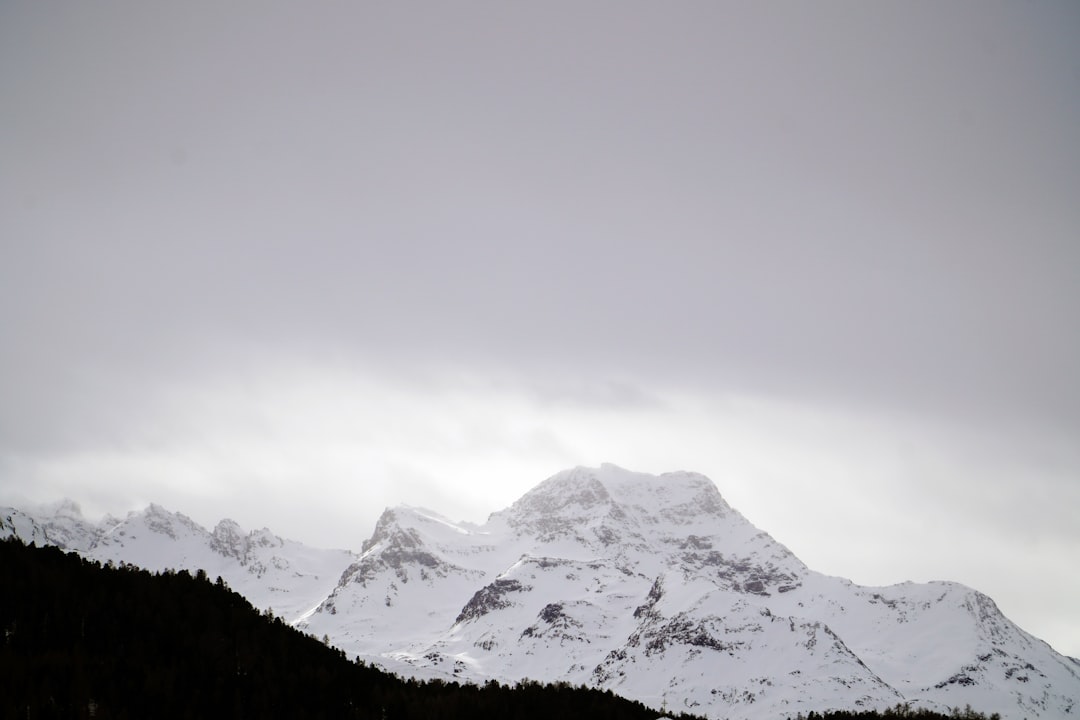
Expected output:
(293, 262)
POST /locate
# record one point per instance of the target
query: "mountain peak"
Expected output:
(583, 493)
(578, 489)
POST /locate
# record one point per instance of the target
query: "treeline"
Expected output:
(80, 640)
(900, 712)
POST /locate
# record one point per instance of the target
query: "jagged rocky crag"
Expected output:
(654, 588)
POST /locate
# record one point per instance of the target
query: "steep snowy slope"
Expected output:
(946, 644)
(16, 523)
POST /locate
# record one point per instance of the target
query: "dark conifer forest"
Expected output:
(81, 640)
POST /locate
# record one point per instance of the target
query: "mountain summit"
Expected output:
(652, 587)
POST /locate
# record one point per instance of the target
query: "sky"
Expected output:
(292, 263)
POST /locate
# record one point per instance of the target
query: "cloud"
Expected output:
(417, 254)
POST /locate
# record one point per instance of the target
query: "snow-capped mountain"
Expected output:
(282, 576)
(652, 587)
(655, 588)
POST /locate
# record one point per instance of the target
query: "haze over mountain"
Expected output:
(651, 586)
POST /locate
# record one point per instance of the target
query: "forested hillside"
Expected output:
(82, 640)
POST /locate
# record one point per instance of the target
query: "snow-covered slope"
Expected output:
(650, 586)
(655, 588)
(283, 576)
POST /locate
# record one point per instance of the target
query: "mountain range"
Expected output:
(652, 587)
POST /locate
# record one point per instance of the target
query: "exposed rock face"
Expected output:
(490, 598)
(229, 540)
